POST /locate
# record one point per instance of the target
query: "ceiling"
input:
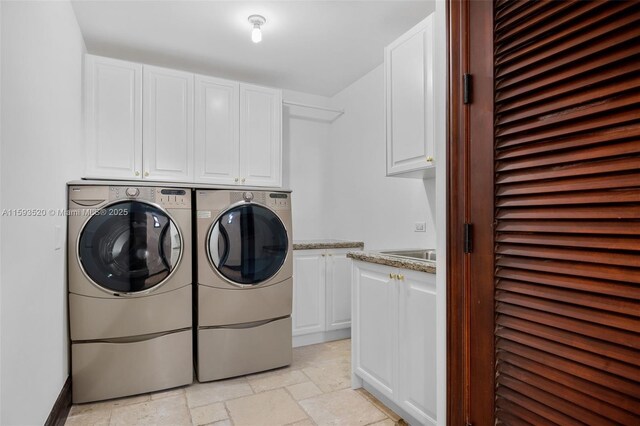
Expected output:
(317, 47)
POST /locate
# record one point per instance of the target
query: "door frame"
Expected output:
(457, 135)
(470, 182)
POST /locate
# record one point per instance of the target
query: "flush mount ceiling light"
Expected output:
(257, 21)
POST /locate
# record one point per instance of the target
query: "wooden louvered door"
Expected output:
(562, 332)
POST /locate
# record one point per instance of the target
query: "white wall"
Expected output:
(337, 171)
(42, 51)
(362, 203)
(305, 135)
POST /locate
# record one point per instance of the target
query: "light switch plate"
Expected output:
(420, 227)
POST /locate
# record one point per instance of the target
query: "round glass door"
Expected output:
(129, 247)
(248, 244)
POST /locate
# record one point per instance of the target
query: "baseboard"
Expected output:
(60, 410)
(392, 405)
(321, 337)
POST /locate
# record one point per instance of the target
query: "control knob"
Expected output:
(132, 192)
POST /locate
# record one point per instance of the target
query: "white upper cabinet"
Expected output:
(410, 107)
(113, 118)
(146, 122)
(168, 125)
(260, 136)
(217, 131)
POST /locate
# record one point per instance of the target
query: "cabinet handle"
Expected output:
(137, 173)
(391, 276)
(243, 180)
(237, 179)
(330, 254)
(401, 277)
(430, 159)
(323, 255)
(146, 174)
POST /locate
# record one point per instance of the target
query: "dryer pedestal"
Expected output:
(231, 351)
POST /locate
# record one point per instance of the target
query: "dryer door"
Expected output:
(129, 247)
(248, 244)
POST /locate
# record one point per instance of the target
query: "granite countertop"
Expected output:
(326, 244)
(428, 266)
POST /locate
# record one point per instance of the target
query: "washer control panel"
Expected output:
(132, 193)
(278, 200)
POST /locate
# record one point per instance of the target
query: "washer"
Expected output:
(244, 275)
(130, 290)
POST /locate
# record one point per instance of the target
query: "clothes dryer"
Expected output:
(244, 275)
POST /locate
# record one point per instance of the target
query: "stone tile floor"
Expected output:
(313, 390)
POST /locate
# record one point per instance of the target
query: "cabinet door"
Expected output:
(338, 290)
(217, 143)
(410, 100)
(113, 118)
(374, 326)
(308, 291)
(260, 136)
(417, 343)
(168, 124)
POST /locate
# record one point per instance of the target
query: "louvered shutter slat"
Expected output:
(567, 218)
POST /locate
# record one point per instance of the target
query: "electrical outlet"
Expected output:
(420, 227)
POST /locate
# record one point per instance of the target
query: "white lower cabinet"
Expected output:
(321, 295)
(374, 338)
(394, 336)
(417, 345)
(338, 290)
(308, 291)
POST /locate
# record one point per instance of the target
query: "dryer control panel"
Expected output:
(278, 200)
(173, 198)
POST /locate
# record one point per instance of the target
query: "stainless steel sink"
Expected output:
(412, 254)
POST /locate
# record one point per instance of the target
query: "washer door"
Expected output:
(248, 244)
(129, 247)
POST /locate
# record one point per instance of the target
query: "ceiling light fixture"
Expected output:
(257, 21)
